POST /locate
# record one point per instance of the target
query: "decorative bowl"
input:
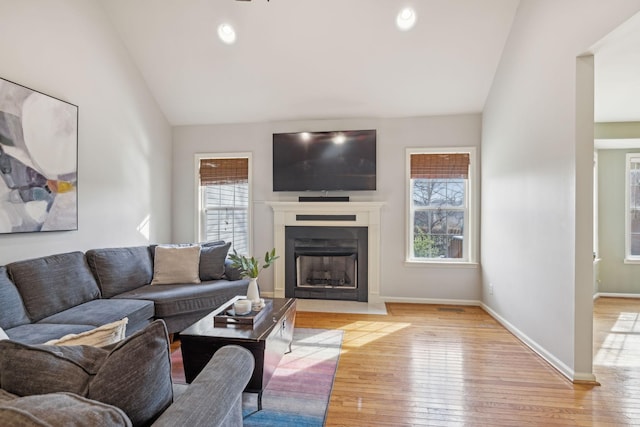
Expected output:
(242, 306)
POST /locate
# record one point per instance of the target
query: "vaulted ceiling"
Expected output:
(313, 59)
(324, 59)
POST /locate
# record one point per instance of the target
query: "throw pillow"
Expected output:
(136, 377)
(26, 370)
(60, 409)
(212, 259)
(99, 337)
(3, 335)
(213, 243)
(176, 264)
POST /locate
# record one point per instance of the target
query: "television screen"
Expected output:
(324, 161)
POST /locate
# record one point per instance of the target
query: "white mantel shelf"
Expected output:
(364, 214)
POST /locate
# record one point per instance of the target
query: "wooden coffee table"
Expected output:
(268, 341)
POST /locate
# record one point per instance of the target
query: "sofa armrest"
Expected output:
(214, 398)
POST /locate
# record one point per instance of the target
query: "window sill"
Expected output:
(632, 261)
(442, 264)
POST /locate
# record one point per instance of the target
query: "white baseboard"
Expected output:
(556, 363)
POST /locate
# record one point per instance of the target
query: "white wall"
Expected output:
(536, 166)
(69, 50)
(398, 281)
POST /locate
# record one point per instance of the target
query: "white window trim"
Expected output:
(198, 199)
(628, 258)
(471, 232)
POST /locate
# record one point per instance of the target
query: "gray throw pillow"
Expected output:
(212, 259)
(230, 272)
(213, 243)
(38, 369)
(136, 377)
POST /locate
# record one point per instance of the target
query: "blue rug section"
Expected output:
(279, 419)
(298, 393)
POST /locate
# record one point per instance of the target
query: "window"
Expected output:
(441, 203)
(223, 199)
(632, 209)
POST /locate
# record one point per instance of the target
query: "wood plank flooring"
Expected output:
(430, 365)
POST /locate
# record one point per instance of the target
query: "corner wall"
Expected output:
(535, 179)
(69, 50)
(398, 282)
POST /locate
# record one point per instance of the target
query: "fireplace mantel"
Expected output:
(328, 214)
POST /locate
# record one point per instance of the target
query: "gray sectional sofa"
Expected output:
(48, 297)
(124, 384)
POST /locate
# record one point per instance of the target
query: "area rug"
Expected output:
(298, 393)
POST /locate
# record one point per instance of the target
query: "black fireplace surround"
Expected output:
(326, 262)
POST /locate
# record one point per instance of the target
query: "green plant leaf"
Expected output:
(250, 267)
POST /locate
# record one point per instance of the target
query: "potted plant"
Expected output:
(251, 268)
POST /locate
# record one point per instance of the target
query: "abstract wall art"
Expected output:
(38, 161)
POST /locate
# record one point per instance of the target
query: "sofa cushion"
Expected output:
(37, 333)
(171, 300)
(59, 409)
(101, 336)
(12, 312)
(231, 272)
(176, 264)
(102, 311)
(212, 258)
(133, 375)
(136, 377)
(37, 369)
(119, 270)
(53, 283)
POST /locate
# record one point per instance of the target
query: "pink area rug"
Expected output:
(298, 393)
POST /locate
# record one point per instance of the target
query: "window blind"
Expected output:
(224, 171)
(440, 166)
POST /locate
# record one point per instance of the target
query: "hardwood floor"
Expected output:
(446, 366)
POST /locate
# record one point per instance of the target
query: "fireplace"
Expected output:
(326, 263)
(354, 215)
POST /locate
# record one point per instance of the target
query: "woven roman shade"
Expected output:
(440, 166)
(224, 171)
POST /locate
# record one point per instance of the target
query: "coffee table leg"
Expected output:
(260, 401)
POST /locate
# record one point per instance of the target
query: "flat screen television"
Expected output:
(324, 161)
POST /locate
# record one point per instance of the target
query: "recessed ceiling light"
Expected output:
(226, 33)
(406, 19)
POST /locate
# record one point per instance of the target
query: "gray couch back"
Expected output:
(119, 270)
(12, 312)
(51, 284)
